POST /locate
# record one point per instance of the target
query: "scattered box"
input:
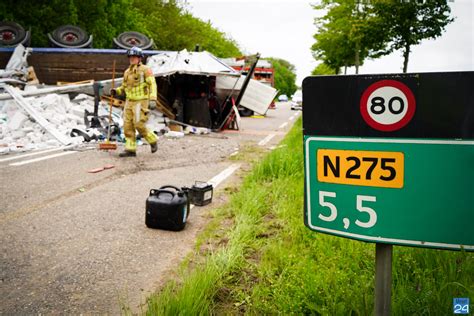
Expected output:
(201, 193)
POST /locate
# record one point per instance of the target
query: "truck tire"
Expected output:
(70, 36)
(127, 40)
(27, 40)
(244, 112)
(11, 34)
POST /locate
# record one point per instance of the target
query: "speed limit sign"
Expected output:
(387, 105)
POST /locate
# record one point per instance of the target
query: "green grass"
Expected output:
(257, 257)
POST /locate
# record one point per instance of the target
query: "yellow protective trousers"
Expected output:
(135, 116)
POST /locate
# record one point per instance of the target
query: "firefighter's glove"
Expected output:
(113, 92)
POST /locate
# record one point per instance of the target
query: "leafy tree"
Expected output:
(353, 30)
(323, 69)
(348, 34)
(409, 22)
(331, 48)
(284, 75)
(173, 28)
(104, 19)
(166, 21)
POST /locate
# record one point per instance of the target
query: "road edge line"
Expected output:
(218, 179)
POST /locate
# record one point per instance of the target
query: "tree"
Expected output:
(172, 27)
(348, 34)
(323, 69)
(331, 49)
(409, 22)
(106, 19)
(284, 75)
(103, 19)
(166, 21)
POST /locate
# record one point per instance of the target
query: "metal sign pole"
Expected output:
(383, 279)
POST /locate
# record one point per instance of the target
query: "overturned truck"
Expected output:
(195, 88)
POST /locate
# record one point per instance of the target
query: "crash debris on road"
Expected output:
(20, 132)
(197, 95)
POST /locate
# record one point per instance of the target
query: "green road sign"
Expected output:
(397, 191)
(390, 158)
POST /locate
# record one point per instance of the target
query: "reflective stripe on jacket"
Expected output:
(138, 83)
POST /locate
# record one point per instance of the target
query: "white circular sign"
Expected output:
(387, 105)
(387, 112)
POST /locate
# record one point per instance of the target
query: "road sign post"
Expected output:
(388, 159)
(383, 279)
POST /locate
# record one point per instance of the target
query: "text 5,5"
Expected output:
(329, 212)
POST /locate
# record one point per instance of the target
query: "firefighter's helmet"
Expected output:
(135, 51)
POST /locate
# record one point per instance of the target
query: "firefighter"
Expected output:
(139, 86)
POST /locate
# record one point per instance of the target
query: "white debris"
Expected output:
(173, 134)
(82, 96)
(19, 132)
(17, 120)
(30, 88)
(155, 122)
(196, 130)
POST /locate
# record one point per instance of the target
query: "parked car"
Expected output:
(283, 98)
(297, 101)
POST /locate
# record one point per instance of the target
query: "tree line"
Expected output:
(168, 22)
(353, 30)
(285, 76)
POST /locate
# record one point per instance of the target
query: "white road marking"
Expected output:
(224, 175)
(283, 125)
(294, 116)
(34, 153)
(266, 140)
(42, 158)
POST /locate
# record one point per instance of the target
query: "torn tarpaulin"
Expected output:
(189, 63)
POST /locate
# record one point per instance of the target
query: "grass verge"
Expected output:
(257, 257)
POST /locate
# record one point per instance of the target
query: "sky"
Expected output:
(285, 28)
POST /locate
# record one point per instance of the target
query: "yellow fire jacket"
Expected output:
(138, 83)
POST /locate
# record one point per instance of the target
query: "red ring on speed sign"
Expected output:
(403, 94)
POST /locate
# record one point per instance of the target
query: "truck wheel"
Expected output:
(69, 36)
(127, 40)
(11, 34)
(245, 112)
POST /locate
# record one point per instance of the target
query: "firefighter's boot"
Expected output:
(126, 153)
(154, 147)
(130, 146)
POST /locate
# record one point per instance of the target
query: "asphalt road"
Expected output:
(75, 242)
